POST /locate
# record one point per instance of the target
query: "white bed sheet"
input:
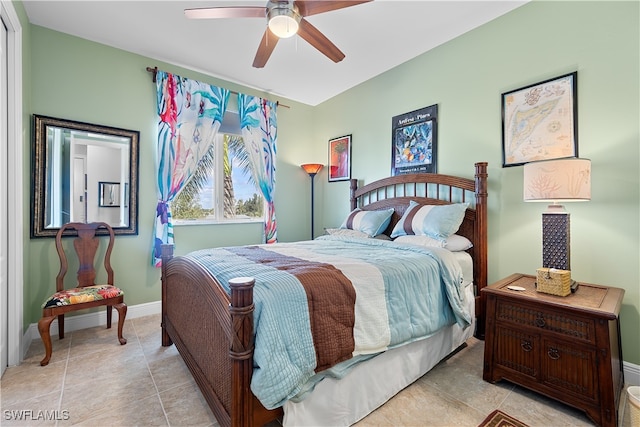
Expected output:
(369, 385)
(466, 262)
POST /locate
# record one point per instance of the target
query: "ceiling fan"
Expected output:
(285, 18)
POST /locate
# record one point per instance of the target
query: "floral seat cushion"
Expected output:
(81, 295)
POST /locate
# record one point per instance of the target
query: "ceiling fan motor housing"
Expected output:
(283, 18)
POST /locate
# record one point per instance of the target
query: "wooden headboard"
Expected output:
(436, 189)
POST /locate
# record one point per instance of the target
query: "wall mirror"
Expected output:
(83, 173)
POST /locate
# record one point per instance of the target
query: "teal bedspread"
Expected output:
(335, 300)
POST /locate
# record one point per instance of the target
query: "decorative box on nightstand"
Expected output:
(567, 348)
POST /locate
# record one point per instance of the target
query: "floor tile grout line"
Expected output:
(64, 378)
(68, 361)
(455, 399)
(146, 362)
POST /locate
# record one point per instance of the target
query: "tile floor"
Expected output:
(93, 381)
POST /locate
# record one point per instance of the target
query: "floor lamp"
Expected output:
(557, 181)
(312, 169)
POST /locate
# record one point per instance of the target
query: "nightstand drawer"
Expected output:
(570, 368)
(566, 324)
(517, 351)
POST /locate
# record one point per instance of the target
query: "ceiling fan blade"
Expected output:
(226, 12)
(313, 7)
(318, 40)
(267, 44)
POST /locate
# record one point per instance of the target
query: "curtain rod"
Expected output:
(154, 71)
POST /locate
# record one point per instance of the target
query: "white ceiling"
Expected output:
(375, 37)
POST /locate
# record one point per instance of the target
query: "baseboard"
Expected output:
(89, 320)
(631, 373)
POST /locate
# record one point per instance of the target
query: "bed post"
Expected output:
(166, 254)
(241, 351)
(481, 246)
(352, 197)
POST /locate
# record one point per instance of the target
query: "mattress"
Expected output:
(342, 402)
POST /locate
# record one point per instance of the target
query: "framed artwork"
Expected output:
(540, 121)
(109, 194)
(414, 137)
(340, 158)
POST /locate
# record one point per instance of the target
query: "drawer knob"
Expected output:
(553, 353)
(539, 322)
(526, 345)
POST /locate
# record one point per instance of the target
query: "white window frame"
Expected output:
(219, 193)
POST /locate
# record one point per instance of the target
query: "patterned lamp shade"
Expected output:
(554, 181)
(557, 180)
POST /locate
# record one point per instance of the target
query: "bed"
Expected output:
(208, 310)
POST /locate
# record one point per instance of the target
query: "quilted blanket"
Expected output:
(333, 300)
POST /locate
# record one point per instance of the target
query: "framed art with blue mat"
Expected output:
(414, 141)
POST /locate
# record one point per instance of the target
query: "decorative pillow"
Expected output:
(346, 232)
(370, 222)
(435, 221)
(454, 243)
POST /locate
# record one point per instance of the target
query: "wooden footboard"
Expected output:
(214, 331)
(213, 334)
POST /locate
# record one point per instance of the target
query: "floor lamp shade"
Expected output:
(556, 182)
(312, 169)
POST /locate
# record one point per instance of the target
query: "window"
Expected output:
(222, 189)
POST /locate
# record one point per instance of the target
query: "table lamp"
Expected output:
(556, 182)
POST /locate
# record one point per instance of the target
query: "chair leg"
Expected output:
(122, 313)
(109, 313)
(61, 326)
(43, 328)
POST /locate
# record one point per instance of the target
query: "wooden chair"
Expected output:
(87, 294)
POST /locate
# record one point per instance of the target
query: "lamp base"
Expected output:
(556, 252)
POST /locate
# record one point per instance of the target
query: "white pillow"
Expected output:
(346, 232)
(435, 221)
(454, 243)
(370, 222)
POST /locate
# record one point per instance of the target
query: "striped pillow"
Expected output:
(435, 221)
(370, 222)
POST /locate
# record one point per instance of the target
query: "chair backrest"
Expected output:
(86, 245)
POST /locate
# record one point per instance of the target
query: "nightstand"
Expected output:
(567, 348)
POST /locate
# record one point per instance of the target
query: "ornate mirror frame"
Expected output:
(69, 159)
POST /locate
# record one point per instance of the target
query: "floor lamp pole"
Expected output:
(312, 179)
(312, 169)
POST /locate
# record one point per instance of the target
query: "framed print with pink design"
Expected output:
(340, 158)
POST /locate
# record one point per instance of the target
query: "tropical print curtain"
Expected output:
(190, 114)
(260, 132)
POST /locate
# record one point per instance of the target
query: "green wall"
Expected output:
(465, 77)
(76, 79)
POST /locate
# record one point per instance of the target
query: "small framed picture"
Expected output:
(109, 194)
(340, 158)
(540, 121)
(414, 140)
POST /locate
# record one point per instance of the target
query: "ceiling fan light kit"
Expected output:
(284, 18)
